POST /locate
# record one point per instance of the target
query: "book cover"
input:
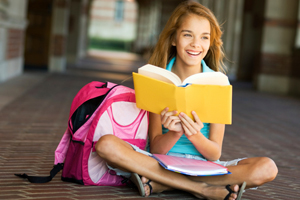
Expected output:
(190, 167)
(212, 103)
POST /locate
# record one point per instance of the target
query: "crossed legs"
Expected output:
(255, 171)
(121, 155)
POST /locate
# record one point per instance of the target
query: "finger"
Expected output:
(166, 115)
(169, 120)
(187, 118)
(174, 122)
(197, 120)
(176, 126)
(190, 124)
(186, 130)
(162, 114)
(164, 111)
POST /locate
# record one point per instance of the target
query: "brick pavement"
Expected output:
(32, 124)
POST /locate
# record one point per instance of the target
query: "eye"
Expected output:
(187, 35)
(205, 37)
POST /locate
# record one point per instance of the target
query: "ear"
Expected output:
(173, 44)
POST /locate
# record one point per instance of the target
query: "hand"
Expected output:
(190, 126)
(170, 121)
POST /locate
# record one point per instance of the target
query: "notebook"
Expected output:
(190, 167)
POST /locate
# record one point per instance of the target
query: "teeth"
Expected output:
(193, 53)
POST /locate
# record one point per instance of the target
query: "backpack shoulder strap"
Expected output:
(60, 155)
(89, 91)
(42, 179)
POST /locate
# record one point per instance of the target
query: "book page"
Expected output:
(208, 78)
(159, 74)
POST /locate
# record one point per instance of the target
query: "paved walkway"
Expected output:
(32, 122)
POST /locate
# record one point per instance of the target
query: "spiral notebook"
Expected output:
(190, 167)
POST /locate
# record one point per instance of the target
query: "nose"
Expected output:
(196, 43)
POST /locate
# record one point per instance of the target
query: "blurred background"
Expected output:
(261, 37)
(49, 49)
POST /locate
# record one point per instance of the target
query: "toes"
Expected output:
(144, 180)
(235, 188)
(147, 191)
(233, 196)
(146, 187)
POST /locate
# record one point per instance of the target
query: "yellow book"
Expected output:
(208, 94)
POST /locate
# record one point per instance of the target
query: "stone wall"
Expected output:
(278, 45)
(12, 26)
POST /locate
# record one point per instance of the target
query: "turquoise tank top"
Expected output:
(183, 145)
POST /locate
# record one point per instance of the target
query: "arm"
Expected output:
(162, 143)
(210, 148)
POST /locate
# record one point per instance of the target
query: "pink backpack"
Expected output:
(98, 109)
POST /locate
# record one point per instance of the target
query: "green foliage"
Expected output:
(109, 44)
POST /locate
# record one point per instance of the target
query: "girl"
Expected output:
(191, 36)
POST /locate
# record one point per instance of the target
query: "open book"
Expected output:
(190, 167)
(208, 94)
(208, 78)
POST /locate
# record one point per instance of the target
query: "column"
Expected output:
(278, 41)
(77, 32)
(148, 25)
(60, 22)
(12, 30)
(295, 68)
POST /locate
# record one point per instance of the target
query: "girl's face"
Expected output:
(192, 41)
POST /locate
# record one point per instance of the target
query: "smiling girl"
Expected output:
(192, 38)
(189, 43)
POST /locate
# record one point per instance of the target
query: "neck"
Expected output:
(185, 71)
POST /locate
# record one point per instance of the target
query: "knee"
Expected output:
(265, 170)
(105, 146)
(270, 168)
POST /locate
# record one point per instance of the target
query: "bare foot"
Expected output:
(218, 192)
(156, 187)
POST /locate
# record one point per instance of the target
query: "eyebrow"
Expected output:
(206, 33)
(186, 31)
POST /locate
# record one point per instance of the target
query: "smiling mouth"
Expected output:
(194, 53)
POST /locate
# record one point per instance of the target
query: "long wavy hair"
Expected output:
(164, 51)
